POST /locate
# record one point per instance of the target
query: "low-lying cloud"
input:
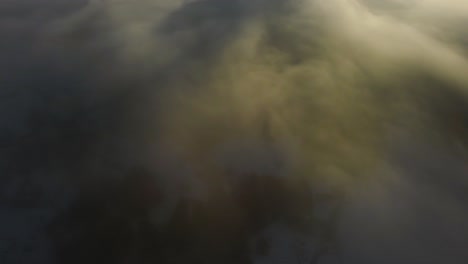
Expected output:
(180, 125)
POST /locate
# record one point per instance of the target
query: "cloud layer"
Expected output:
(213, 110)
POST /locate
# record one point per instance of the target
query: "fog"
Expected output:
(233, 131)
